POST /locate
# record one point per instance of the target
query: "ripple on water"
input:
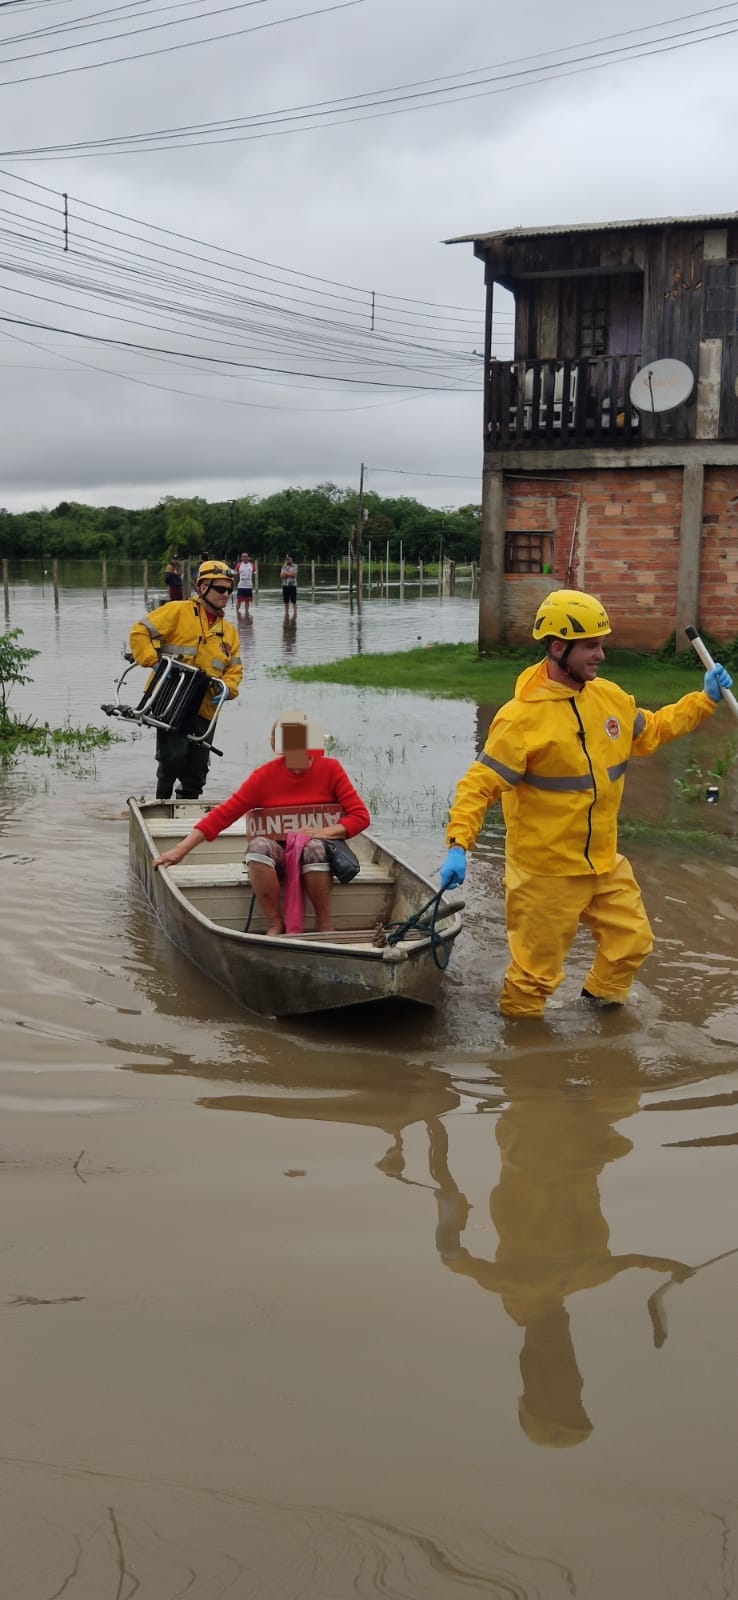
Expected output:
(180, 1538)
(70, 1105)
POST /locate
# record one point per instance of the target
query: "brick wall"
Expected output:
(616, 534)
(719, 563)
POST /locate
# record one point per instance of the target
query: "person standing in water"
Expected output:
(196, 632)
(557, 755)
(245, 585)
(288, 579)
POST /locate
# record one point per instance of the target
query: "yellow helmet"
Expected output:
(208, 571)
(569, 614)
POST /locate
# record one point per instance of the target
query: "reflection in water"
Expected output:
(555, 1137)
(289, 635)
(485, 713)
(356, 614)
(420, 1096)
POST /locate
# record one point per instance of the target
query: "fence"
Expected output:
(380, 576)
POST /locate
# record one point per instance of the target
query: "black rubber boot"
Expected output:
(596, 1000)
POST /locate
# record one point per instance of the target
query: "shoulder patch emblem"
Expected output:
(612, 727)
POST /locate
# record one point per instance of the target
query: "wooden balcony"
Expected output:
(559, 404)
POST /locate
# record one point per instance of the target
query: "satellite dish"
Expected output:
(661, 386)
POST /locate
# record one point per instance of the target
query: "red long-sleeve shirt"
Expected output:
(323, 783)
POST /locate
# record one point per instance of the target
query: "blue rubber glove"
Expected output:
(717, 679)
(453, 869)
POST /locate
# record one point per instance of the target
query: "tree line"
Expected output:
(312, 524)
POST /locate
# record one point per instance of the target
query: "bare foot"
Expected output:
(274, 930)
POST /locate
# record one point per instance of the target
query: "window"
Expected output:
(593, 317)
(527, 552)
(721, 300)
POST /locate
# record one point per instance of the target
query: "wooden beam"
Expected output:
(492, 561)
(690, 542)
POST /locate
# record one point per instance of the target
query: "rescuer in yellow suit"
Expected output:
(557, 754)
(194, 631)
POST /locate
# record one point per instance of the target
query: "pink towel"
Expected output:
(294, 905)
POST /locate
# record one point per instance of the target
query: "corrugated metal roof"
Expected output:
(719, 220)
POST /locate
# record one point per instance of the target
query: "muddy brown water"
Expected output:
(401, 1304)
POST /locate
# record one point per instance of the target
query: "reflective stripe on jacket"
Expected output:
(181, 628)
(558, 760)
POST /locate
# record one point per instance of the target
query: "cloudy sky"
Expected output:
(255, 291)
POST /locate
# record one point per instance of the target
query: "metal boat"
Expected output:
(393, 930)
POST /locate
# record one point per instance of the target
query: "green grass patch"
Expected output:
(671, 838)
(458, 672)
(66, 746)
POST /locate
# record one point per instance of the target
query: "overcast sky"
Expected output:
(224, 375)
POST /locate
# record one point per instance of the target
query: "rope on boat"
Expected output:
(395, 931)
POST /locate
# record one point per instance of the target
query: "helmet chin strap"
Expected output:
(561, 664)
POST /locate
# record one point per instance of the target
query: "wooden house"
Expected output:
(582, 487)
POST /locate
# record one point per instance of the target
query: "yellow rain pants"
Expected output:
(542, 916)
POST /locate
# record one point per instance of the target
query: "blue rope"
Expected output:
(437, 941)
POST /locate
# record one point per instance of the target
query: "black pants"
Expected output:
(177, 760)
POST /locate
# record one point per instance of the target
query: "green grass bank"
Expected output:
(458, 672)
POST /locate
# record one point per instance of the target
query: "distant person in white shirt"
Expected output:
(288, 577)
(245, 590)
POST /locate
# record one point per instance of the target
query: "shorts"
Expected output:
(271, 853)
(244, 594)
(289, 592)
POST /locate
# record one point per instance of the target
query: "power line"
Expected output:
(294, 325)
(394, 100)
(66, 273)
(405, 472)
(190, 394)
(71, 25)
(152, 27)
(220, 361)
(226, 251)
(187, 291)
(185, 44)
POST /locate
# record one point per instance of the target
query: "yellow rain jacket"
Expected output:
(558, 760)
(182, 629)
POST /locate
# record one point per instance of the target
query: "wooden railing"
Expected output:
(561, 403)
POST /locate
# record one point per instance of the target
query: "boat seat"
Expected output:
(209, 874)
(221, 891)
(178, 828)
(220, 874)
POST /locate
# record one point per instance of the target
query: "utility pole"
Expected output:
(358, 535)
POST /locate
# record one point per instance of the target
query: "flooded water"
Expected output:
(411, 1305)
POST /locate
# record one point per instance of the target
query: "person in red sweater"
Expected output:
(301, 791)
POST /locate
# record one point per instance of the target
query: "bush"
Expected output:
(14, 659)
